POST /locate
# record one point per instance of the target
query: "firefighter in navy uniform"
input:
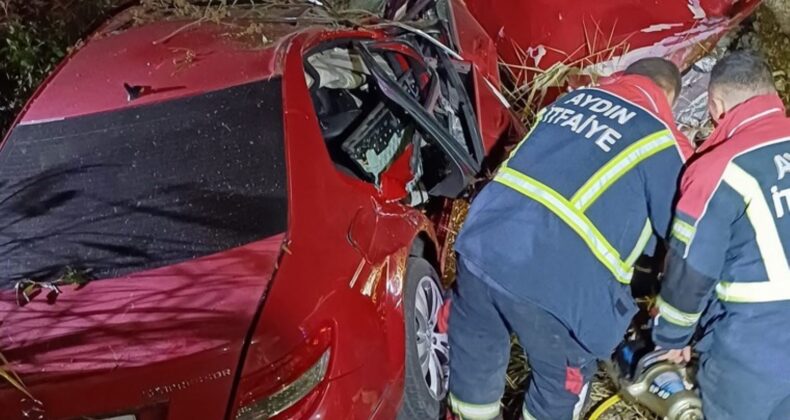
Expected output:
(548, 247)
(730, 241)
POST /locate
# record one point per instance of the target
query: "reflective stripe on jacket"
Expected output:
(578, 200)
(731, 235)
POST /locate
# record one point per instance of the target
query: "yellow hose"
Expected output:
(614, 399)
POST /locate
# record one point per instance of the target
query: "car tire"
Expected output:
(422, 392)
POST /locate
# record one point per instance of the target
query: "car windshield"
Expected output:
(142, 187)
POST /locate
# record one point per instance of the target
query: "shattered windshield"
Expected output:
(143, 187)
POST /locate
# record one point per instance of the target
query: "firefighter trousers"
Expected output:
(482, 318)
(731, 392)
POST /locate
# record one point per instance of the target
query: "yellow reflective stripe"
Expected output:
(558, 205)
(538, 118)
(676, 316)
(763, 291)
(768, 242)
(683, 231)
(647, 231)
(474, 411)
(619, 166)
(762, 220)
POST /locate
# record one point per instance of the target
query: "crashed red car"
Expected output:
(241, 217)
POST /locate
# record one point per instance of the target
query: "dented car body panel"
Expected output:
(607, 35)
(212, 333)
(213, 330)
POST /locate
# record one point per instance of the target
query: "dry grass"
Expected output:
(256, 23)
(457, 217)
(8, 375)
(531, 86)
(338, 13)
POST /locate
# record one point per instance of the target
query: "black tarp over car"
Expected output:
(143, 187)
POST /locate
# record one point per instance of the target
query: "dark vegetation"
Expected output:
(774, 44)
(36, 35)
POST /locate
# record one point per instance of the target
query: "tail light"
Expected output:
(268, 388)
(288, 395)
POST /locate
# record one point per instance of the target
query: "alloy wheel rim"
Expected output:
(432, 345)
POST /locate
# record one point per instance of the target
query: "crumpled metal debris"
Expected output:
(691, 108)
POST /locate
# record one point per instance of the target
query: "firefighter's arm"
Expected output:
(695, 261)
(661, 173)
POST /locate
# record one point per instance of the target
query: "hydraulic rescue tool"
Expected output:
(659, 385)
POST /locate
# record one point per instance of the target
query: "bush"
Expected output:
(36, 35)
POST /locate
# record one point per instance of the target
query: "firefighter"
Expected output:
(730, 240)
(548, 246)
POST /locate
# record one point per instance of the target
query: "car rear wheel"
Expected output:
(427, 350)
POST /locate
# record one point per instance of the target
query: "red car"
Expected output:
(242, 214)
